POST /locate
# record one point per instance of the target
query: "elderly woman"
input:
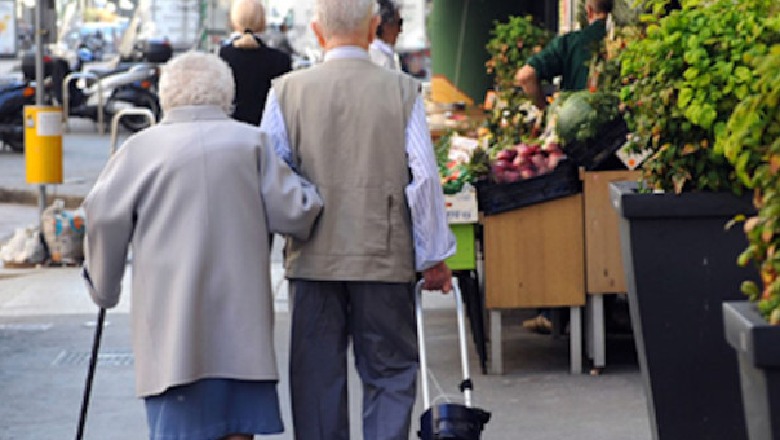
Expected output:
(253, 63)
(196, 197)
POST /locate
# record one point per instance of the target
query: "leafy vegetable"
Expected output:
(579, 115)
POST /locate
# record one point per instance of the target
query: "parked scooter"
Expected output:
(13, 97)
(129, 86)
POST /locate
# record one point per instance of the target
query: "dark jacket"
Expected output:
(253, 70)
(569, 55)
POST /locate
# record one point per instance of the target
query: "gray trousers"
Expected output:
(380, 321)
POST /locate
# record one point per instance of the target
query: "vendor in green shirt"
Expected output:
(567, 55)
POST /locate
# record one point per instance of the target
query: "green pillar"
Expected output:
(459, 31)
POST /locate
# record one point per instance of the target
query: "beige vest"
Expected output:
(346, 122)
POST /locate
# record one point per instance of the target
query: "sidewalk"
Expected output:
(46, 328)
(47, 324)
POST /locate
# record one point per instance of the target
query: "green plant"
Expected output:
(510, 45)
(682, 82)
(752, 143)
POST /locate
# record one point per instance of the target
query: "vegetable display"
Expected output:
(579, 115)
(525, 161)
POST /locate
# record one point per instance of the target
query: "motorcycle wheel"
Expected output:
(16, 143)
(138, 123)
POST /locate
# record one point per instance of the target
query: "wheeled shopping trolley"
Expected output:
(448, 421)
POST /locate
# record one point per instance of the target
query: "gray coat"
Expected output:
(196, 197)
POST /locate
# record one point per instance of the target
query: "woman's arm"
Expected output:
(109, 213)
(291, 202)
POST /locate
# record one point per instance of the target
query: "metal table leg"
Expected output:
(496, 359)
(598, 331)
(575, 339)
(588, 327)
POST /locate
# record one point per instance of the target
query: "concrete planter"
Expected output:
(758, 351)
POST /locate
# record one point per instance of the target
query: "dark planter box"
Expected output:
(680, 266)
(758, 351)
(495, 198)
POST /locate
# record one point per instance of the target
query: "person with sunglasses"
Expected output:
(382, 49)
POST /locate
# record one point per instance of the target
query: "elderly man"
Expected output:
(358, 132)
(196, 197)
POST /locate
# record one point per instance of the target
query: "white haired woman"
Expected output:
(197, 196)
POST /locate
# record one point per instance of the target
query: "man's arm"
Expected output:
(273, 125)
(527, 79)
(545, 65)
(433, 240)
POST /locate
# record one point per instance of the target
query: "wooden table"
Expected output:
(603, 260)
(535, 257)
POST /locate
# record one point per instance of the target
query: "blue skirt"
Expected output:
(210, 409)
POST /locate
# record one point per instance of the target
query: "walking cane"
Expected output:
(90, 373)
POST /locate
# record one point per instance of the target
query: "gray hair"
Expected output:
(343, 17)
(196, 78)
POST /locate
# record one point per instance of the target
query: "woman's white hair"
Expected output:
(196, 78)
(343, 17)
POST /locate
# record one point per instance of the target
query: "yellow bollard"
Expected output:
(43, 144)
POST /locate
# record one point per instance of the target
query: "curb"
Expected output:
(27, 197)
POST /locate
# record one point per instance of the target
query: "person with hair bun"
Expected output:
(253, 63)
(196, 197)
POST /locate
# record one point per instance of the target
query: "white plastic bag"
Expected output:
(24, 247)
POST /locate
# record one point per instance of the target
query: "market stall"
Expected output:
(548, 232)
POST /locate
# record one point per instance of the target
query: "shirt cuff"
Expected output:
(433, 259)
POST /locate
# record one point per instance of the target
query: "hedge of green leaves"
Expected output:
(683, 81)
(752, 144)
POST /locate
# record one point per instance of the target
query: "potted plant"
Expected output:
(681, 83)
(752, 144)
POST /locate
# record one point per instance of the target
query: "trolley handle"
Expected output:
(465, 385)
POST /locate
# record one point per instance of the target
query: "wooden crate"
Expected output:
(534, 256)
(604, 263)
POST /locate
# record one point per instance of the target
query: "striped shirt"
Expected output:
(433, 240)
